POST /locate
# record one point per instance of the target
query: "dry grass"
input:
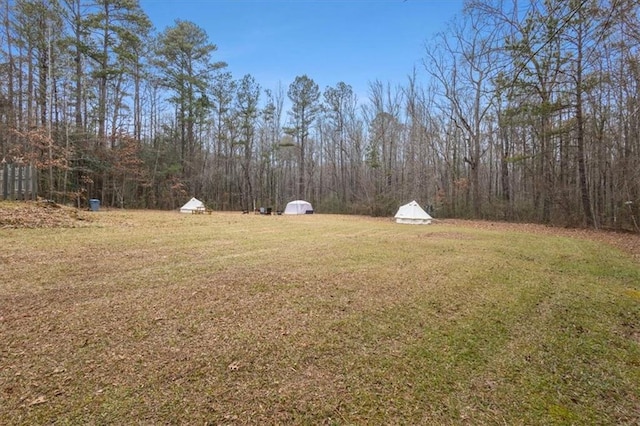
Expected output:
(157, 317)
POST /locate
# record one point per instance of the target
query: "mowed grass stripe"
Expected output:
(157, 317)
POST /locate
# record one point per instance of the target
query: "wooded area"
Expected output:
(530, 112)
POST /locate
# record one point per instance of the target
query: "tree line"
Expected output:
(523, 111)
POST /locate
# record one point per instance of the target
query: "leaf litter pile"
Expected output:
(40, 214)
(162, 318)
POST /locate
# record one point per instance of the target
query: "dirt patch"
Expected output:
(40, 214)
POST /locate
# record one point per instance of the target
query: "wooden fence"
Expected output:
(18, 181)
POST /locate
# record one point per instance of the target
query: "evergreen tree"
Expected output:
(304, 95)
(184, 61)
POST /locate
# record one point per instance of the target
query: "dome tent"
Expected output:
(298, 207)
(412, 213)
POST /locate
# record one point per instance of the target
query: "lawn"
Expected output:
(162, 318)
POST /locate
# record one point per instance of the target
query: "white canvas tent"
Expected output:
(298, 207)
(412, 213)
(192, 205)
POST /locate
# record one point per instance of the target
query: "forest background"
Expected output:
(530, 112)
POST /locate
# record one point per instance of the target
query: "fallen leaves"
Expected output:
(39, 214)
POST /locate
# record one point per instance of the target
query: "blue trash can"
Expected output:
(94, 204)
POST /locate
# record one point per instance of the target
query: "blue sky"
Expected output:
(355, 41)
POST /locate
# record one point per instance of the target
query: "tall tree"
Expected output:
(535, 50)
(304, 95)
(222, 94)
(184, 60)
(8, 110)
(384, 147)
(38, 27)
(462, 62)
(271, 134)
(117, 27)
(73, 13)
(339, 102)
(247, 97)
(579, 30)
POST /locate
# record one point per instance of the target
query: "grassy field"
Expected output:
(162, 318)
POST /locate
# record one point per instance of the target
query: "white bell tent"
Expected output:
(192, 205)
(412, 213)
(298, 207)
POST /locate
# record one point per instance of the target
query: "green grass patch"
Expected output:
(157, 317)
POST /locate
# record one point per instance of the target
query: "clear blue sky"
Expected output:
(355, 41)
